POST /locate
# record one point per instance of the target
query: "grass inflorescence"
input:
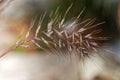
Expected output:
(72, 35)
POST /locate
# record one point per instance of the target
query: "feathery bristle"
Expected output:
(80, 37)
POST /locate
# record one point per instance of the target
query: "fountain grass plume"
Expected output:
(71, 35)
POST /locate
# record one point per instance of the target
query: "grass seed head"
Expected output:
(76, 36)
(71, 35)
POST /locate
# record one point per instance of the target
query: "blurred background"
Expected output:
(16, 15)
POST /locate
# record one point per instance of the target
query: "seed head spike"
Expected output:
(74, 37)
